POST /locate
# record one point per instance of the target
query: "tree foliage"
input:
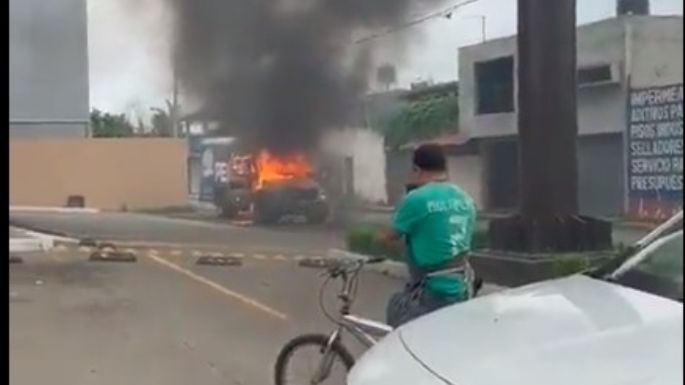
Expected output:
(386, 75)
(162, 125)
(418, 120)
(106, 125)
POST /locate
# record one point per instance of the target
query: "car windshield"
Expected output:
(657, 269)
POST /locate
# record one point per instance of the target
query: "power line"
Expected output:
(445, 12)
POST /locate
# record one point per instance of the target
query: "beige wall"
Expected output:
(109, 173)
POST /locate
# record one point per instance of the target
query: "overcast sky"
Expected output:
(129, 47)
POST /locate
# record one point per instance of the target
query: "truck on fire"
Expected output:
(269, 187)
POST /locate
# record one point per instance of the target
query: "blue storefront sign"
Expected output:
(655, 151)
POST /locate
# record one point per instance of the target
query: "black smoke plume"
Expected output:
(277, 73)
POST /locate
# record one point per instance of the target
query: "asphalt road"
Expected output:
(151, 228)
(210, 231)
(163, 319)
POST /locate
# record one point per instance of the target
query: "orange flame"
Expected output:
(270, 168)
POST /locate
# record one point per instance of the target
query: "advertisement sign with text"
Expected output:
(655, 152)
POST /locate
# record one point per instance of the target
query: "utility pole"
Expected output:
(174, 100)
(483, 21)
(547, 117)
(548, 129)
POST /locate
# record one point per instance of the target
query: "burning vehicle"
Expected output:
(270, 187)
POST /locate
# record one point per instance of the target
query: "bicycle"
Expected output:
(330, 347)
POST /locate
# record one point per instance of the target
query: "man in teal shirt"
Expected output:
(436, 219)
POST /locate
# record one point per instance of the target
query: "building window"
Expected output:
(595, 74)
(495, 85)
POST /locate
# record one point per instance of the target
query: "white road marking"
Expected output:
(229, 293)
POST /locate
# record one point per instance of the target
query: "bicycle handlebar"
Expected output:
(338, 266)
(346, 265)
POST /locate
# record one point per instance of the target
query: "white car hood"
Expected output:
(570, 331)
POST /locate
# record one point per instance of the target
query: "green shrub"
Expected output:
(363, 239)
(569, 265)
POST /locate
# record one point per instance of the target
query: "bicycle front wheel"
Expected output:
(308, 359)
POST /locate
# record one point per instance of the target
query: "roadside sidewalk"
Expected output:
(486, 216)
(54, 209)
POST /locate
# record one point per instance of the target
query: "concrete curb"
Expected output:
(36, 241)
(485, 216)
(27, 245)
(53, 239)
(398, 270)
(66, 210)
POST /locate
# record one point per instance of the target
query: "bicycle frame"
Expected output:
(364, 330)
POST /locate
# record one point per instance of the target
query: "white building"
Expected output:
(616, 57)
(48, 68)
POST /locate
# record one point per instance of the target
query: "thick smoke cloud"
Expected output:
(277, 73)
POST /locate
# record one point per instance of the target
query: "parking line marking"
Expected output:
(229, 293)
(260, 257)
(279, 257)
(237, 255)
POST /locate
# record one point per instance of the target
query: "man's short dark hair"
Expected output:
(430, 157)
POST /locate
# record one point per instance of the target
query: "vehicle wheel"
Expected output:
(265, 210)
(317, 214)
(229, 211)
(341, 361)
